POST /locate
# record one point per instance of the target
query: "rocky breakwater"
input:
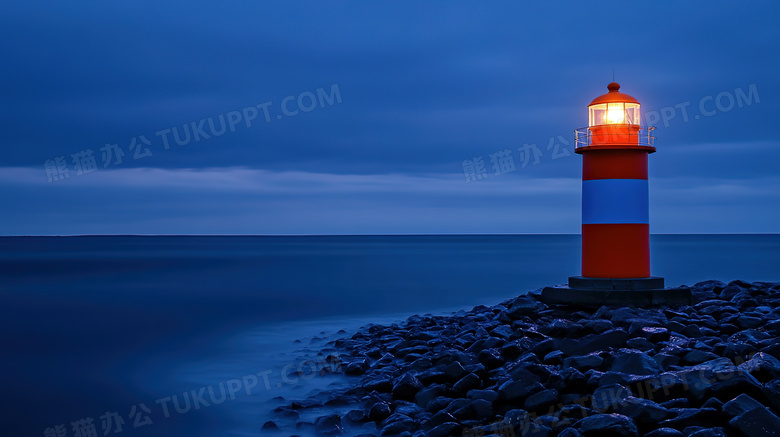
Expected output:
(522, 368)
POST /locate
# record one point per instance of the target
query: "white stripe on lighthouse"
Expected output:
(615, 201)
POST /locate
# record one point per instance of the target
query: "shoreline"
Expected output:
(525, 368)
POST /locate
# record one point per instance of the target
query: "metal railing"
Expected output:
(583, 136)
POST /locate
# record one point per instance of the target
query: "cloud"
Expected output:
(252, 201)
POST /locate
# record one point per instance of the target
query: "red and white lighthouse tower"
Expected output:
(615, 210)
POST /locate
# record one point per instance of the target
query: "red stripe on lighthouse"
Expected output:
(617, 250)
(614, 164)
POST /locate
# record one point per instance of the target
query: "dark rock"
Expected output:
(270, 426)
(655, 334)
(763, 367)
(709, 432)
(357, 367)
(439, 418)
(488, 395)
(329, 425)
(541, 400)
(607, 398)
(570, 432)
(553, 358)
(379, 412)
(514, 390)
(424, 396)
(691, 417)
(757, 422)
(438, 403)
(740, 405)
(355, 416)
(406, 387)
(521, 307)
(715, 403)
(379, 383)
(730, 385)
(455, 371)
(635, 363)
(445, 430)
(613, 338)
(583, 362)
(491, 358)
(397, 424)
(640, 343)
(676, 403)
(749, 322)
(597, 326)
(772, 392)
(607, 425)
(665, 432)
(691, 331)
(511, 351)
(642, 411)
(729, 292)
(697, 356)
(468, 382)
(479, 409)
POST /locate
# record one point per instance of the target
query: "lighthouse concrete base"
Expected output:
(595, 292)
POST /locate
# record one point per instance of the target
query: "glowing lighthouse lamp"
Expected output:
(615, 211)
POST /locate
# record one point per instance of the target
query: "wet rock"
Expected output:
(740, 405)
(642, 411)
(640, 343)
(468, 382)
(763, 367)
(553, 358)
(691, 417)
(521, 307)
(757, 422)
(406, 387)
(635, 363)
(455, 371)
(379, 412)
(709, 432)
(445, 430)
(270, 426)
(479, 409)
(357, 367)
(491, 358)
(607, 425)
(379, 383)
(424, 396)
(398, 424)
(665, 432)
(584, 362)
(329, 425)
(697, 357)
(488, 395)
(606, 399)
(355, 416)
(541, 400)
(613, 338)
(514, 390)
(715, 403)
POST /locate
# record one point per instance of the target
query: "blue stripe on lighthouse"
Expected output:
(615, 201)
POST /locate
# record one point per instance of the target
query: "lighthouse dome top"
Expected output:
(613, 96)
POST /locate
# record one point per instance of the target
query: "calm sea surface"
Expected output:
(117, 329)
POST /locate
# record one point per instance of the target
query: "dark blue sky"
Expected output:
(386, 102)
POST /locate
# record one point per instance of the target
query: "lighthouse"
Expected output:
(615, 210)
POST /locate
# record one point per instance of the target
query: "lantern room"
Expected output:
(613, 120)
(613, 108)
